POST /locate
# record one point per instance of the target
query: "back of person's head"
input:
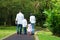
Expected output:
(19, 10)
(31, 14)
(28, 22)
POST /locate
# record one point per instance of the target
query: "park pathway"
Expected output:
(20, 37)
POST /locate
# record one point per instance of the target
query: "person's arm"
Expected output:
(15, 22)
(35, 19)
(16, 19)
(26, 22)
(30, 18)
(22, 16)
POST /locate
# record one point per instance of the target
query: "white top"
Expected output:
(19, 18)
(32, 19)
(29, 29)
(24, 23)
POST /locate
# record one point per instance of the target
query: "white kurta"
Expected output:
(19, 18)
(32, 19)
(24, 23)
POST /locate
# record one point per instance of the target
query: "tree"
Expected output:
(9, 9)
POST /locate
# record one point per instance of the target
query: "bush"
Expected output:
(53, 21)
(56, 24)
(53, 18)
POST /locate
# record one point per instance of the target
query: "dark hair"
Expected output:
(31, 14)
(28, 22)
(19, 10)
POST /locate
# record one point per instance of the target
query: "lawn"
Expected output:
(5, 31)
(43, 35)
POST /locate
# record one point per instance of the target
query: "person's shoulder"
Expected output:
(25, 20)
(32, 16)
(17, 14)
(22, 13)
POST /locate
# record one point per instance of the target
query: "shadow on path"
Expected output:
(20, 37)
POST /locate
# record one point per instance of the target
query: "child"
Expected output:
(29, 29)
(24, 23)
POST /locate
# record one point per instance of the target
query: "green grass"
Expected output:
(5, 31)
(43, 35)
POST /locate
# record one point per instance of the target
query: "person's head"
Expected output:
(19, 10)
(31, 14)
(28, 22)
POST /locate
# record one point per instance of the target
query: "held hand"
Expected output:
(15, 22)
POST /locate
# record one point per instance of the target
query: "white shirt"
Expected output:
(19, 18)
(24, 23)
(29, 29)
(32, 19)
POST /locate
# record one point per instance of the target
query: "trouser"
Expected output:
(25, 30)
(32, 28)
(19, 28)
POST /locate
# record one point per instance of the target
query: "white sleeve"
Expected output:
(23, 16)
(30, 18)
(35, 20)
(26, 22)
(22, 22)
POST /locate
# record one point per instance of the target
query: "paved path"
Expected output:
(20, 37)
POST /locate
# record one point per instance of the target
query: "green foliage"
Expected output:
(46, 11)
(53, 18)
(9, 9)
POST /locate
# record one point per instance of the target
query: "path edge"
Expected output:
(7, 36)
(36, 37)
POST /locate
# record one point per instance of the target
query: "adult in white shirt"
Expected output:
(24, 23)
(32, 21)
(19, 18)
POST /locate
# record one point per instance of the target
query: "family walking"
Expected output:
(22, 24)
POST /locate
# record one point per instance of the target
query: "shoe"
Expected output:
(25, 34)
(17, 32)
(32, 34)
(20, 33)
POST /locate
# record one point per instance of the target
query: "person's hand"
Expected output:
(15, 22)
